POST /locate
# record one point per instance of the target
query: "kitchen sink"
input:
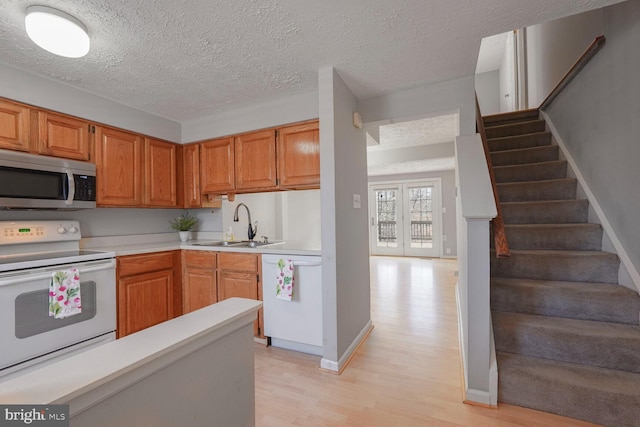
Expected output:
(241, 244)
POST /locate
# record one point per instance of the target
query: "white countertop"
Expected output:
(77, 375)
(127, 245)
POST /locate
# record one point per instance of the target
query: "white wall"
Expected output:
(345, 243)
(300, 216)
(276, 112)
(596, 116)
(450, 96)
(553, 47)
(488, 91)
(399, 155)
(23, 86)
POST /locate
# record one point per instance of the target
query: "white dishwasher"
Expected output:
(296, 324)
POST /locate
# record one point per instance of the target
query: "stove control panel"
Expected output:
(13, 232)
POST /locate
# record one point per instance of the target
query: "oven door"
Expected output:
(27, 332)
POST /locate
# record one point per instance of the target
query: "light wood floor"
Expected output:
(407, 373)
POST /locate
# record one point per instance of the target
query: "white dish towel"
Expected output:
(64, 293)
(284, 279)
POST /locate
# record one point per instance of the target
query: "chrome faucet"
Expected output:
(253, 229)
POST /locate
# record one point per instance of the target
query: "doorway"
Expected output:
(406, 218)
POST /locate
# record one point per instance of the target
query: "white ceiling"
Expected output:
(185, 60)
(431, 130)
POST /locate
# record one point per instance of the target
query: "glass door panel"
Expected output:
(386, 209)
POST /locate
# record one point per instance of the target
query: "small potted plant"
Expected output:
(183, 224)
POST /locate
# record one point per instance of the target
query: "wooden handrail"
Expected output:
(589, 53)
(497, 223)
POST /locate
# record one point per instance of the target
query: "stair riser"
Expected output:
(571, 398)
(546, 299)
(521, 141)
(537, 191)
(515, 129)
(525, 156)
(589, 267)
(557, 238)
(509, 118)
(533, 172)
(562, 212)
(611, 352)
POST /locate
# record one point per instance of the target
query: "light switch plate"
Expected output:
(357, 204)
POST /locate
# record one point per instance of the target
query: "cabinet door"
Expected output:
(199, 279)
(192, 195)
(199, 288)
(216, 165)
(256, 161)
(299, 156)
(119, 160)
(14, 126)
(63, 136)
(144, 300)
(160, 173)
(238, 284)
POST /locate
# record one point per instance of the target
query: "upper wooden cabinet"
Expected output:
(62, 136)
(192, 194)
(14, 126)
(256, 161)
(160, 184)
(119, 165)
(217, 172)
(299, 156)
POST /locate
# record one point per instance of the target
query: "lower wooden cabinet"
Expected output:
(239, 276)
(199, 281)
(145, 290)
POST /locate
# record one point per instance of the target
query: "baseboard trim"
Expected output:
(606, 225)
(339, 366)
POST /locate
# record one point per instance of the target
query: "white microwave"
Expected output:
(29, 181)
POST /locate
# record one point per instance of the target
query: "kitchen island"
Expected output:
(194, 370)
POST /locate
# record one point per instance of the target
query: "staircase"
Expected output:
(567, 335)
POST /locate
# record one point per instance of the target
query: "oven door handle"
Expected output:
(28, 277)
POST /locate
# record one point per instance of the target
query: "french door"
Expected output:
(406, 219)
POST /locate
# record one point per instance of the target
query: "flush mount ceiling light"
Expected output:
(57, 32)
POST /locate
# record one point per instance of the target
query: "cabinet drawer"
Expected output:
(136, 264)
(234, 261)
(199, 259)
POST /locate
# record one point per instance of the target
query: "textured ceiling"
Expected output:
(432, 130)
(188, 59)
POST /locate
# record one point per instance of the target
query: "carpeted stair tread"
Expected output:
(523, 156)
(603, 302)
(604, 396)
(556, 169)
(529, 140)
(545, 211)
(585, 236)
(578, 266)
(510, 117)
(586, 342)
(518, 128)
(552, 189)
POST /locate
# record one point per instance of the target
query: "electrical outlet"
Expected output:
(444, 238)
(448, 250)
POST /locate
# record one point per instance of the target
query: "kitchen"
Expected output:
(344, 228)
(30, 227)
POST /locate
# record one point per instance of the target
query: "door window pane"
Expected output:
(421, 215)
(386, 218)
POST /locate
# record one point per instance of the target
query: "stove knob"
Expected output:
(73, 229)
(62, 230)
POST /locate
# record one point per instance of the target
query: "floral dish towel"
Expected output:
(64, 294)
(284, 280)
